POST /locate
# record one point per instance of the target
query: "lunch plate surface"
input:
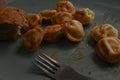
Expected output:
(16, 62)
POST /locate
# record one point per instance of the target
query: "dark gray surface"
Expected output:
(16, 62)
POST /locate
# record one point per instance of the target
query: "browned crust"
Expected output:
(11, 15)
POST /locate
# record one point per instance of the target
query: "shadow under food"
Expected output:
(91, 42)
(102, 64)
(23, 52)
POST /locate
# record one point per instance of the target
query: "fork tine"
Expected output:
(46, 66)
(49, 63)
(51, 60)
(43, 69)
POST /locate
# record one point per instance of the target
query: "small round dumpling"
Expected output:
(85, 16)
(74, 30)
(65, 6)
(108, 49)
(104, 30)
(61, 17)
(32, 20)
(33, 38)
(47, 14)
(53, 33)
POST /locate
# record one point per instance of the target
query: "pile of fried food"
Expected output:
(108, 43)
(65, 20)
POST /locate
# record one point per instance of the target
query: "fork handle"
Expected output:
(71, 74)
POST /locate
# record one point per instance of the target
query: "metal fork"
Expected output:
(57, 70)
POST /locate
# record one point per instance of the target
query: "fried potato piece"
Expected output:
(108, 49)
(105, 30)
(32, 20)
(85, 16)
(61, 17)
(65, 6)
(33, 38)
(47, 14)
(74, 30)
(53, 33)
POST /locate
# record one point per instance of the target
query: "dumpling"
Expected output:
(32, 20)
(65, 6)
(108, 49)
(47, 14)
(104, 30)
(33, 38)
(85, 16)
(74, 30)
(53, 33)
(61, 17)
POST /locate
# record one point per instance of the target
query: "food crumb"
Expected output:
(78, 57)
(87, 45)
(54, 55)
(89, 73)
